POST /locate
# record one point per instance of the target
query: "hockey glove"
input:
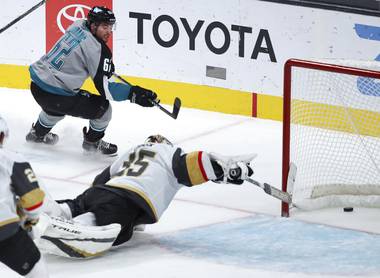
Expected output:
(239, 172)
(141, 96)
(29, 223)
(231, 169)
(28, 220)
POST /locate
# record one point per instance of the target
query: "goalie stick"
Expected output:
(273, 191)
(279, 194)
(22, 16)
(176, 105)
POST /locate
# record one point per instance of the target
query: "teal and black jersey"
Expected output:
(77, 55)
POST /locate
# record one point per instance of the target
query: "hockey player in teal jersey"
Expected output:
(57, 77)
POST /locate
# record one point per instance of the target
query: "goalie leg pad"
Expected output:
(52, 208)
(71, 239)
(87, 218)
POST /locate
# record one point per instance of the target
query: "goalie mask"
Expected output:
(158, 139)
(4, 131)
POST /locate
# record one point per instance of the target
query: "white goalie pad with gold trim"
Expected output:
(67, 238)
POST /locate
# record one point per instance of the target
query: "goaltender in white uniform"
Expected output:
(136, 189)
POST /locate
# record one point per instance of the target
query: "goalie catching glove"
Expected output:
(232, 169)
(142, 96)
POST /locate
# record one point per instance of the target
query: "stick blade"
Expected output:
(176, 107)
(291, 178)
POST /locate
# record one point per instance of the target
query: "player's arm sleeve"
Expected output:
(110, 171)
(192, 168)
(25, 186)
(110, 90)
(103, 177)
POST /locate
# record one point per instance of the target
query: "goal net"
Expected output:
(331, 133)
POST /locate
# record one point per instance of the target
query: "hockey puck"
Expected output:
(348, 209)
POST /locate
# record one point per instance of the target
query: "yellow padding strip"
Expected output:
(215, 99)
(351, 120)
(269, 107)
(193, 96)
(193, 169)
(140, 193)
(32, 198)
(200, 96)
(14, 76)
(9, 221)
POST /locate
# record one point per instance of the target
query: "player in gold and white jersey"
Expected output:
(139, 186)
(21, 201)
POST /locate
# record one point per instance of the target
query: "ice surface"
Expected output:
(210, 230)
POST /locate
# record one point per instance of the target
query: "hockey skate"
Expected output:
(99, 146)
(49, 138)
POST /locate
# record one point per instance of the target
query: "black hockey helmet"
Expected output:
(158, 139)
(100, 14)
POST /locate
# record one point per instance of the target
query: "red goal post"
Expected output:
(329, 113)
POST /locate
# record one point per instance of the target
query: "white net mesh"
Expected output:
(335, 138)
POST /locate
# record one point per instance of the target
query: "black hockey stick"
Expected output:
(270, 190)
(176, 105)
(22, 16)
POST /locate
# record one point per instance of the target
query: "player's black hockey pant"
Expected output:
(84, 105)
(108, 208)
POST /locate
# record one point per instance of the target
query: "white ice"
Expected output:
(211, 230)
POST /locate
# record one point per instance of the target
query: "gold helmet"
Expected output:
(158, 139)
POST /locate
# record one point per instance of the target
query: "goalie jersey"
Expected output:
(19, 192)
(151, 175)
(77, 55)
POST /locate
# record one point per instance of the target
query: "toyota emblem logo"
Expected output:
(69, 14)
